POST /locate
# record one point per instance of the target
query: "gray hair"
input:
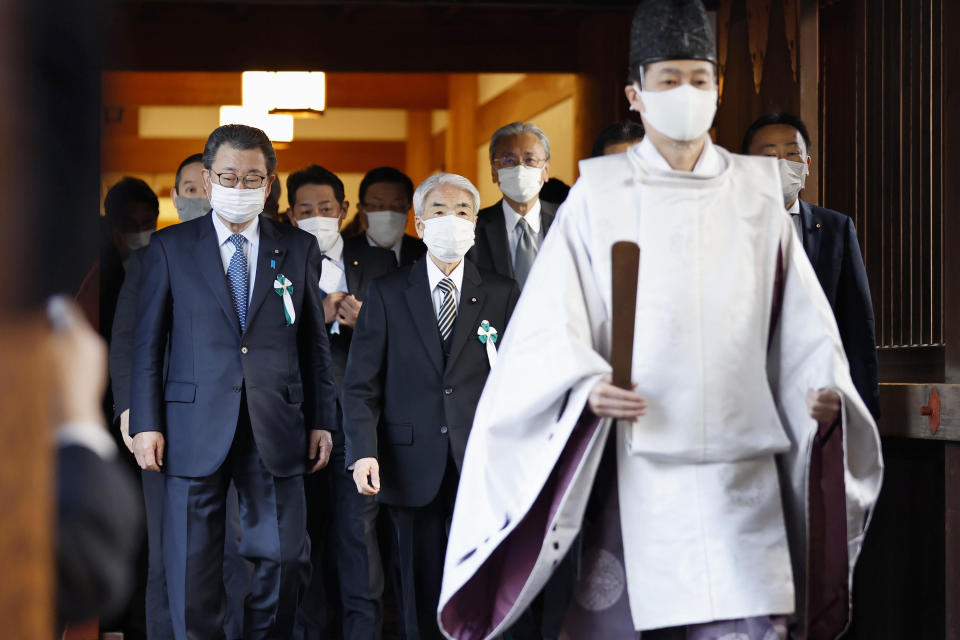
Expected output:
(434, 181)
(516, 129)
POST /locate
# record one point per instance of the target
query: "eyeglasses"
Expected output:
(251, 181)
(510, 161)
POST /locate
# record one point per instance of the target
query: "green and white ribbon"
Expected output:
(284, 289)
(488, 335)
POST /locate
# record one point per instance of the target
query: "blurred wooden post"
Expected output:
(26, 484)
(461, 143)
(419, 142)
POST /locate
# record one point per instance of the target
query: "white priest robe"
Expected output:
(714, 480)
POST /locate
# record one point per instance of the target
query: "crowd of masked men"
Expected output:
(296, 391)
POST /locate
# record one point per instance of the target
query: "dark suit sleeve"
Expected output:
(150, 340)
(98, 535)
(121, 339)
(512, 300)
(854, 312)
(316, 365)
(363, 380)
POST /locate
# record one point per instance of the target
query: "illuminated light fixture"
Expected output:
(279, 128)
(297, 93)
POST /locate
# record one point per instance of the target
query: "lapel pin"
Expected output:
(473, 300)
(818, 225)
(356, 263)
(276, 252)
(273, 264)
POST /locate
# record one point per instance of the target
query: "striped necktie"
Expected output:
(448, 308)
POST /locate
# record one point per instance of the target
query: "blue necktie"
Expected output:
(239, 280)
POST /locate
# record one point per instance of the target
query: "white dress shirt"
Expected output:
(794, 212)
(395, 248)
(333, 280)
(434, 275)
(91, 435)
(511, 220)
(250, 248)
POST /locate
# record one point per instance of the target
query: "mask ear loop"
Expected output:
(638, 87)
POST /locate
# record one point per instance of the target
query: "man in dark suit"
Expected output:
(419, 359)
(383, 210)
(830, 240)
(248, 396)
(190, 201)
(510, 233)
(318, 206)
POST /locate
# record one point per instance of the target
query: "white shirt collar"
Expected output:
(512, 218)
(796, 207)
(251, 233)
(709, 164)
(395, 248)
(434, 275)
(336, 251)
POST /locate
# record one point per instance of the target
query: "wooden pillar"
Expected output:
(419, 142)
(461, 145)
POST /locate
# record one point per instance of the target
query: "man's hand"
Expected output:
(348, 312)
(366, 475)
(608, 401)
(823, 405)
(78, 359)
(148, 450)
(125, 429)
(331, 304)
(320, 447)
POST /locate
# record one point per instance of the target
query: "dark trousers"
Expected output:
(421, 544)
(272, 514)
(347, 550)
(236, 576)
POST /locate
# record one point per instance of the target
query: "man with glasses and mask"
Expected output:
(830, 241)
(719, 492)
(248, 395)
(385, 197)
(510, 232)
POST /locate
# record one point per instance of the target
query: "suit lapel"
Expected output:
(423, 314)
(811, 232)
(353, 265)
(496, 232)
(271, 249)
(211, 267)
(548, 212)
(468, 312)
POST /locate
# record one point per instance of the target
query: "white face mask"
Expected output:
(386, 227)
(520, 183)
(237, 205)
(682, 114)
(325, 230)
(137, 239)
(448, 238)
(793, 178)
(191, 208)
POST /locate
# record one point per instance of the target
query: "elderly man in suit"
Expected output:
(248, 396)
(509, 233)
(830, 241)
(318, 206)
(421, 352)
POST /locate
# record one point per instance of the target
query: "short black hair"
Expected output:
(623, 131)
(239, 136)
(128, 191)
(774, 117)
(386, 174)
(554, 190)
(314, 174)
(197, 157)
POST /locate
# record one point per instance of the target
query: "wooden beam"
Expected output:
(344, 90)
(156, 155)
(535, 93)
(418, 145)
(461, 145)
